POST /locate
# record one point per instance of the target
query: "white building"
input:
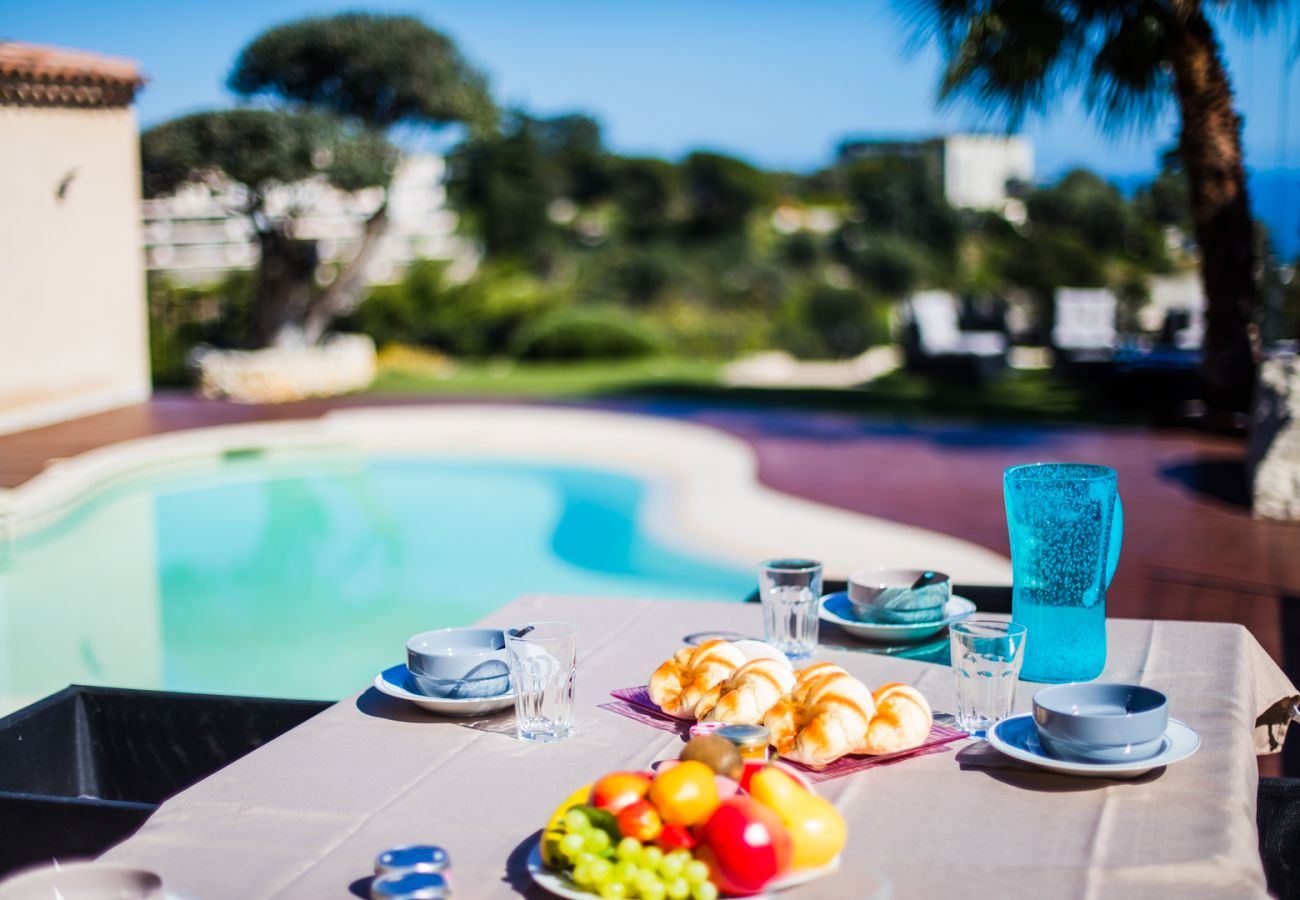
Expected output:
(196, 235)
(73, 324)
(978, 171)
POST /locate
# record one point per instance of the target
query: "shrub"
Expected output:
(181, 317)
(833, 322)
(586, 333)
(478, 318)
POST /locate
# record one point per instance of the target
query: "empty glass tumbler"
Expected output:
(986, 659)
(1066, 523)
(791, 593)
(543, 671)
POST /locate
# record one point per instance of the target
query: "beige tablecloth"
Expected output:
(305, 815)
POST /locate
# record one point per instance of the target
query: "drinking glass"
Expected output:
(986, 657)
(791, 592)
(1066, 523)
(543, 670)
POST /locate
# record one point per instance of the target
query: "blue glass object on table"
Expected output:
(1066, 524)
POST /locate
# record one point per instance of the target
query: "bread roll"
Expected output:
(823, 718)
(902, 720)
(746, 696)
(681, 682)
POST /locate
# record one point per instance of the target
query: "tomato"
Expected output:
(685, 793)
(676, 837)
(640, 820)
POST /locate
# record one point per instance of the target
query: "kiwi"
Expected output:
(718, 753)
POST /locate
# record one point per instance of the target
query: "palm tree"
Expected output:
(1129, 58)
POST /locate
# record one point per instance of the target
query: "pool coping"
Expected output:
(714, 501)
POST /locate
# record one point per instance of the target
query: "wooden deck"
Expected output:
(1191, 549)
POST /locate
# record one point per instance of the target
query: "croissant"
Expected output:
(681, 682)
(824, 717)
(902, 720)
(746, 696)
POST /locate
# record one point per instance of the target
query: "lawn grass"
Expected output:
(1013, 396)
(579, 379)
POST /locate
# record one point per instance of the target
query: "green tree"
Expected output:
(339, 84)
(257, 150)
(645, 192)
(1085, 203)
(507, 181)
(721, 193)
(902, 196)
(1131, 58)
(504, 184)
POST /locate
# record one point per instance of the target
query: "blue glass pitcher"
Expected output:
(1066, 523)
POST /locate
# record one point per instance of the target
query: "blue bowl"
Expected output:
(459, 663)
(1101, 722)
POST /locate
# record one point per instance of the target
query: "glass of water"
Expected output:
(543, 670)
(791, 592)
(986, 657)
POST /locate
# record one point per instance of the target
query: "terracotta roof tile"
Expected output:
(33, 74)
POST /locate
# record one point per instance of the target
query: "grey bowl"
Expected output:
(459, 663)
(84, 880)
(887, 595)
(1101, 722)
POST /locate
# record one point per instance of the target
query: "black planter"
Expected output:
(82, 769)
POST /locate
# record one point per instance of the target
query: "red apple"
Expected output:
(744, 845)
(618, 790)
(640, 820)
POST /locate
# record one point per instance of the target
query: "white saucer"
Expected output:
(393, 680)
(835, 608)
(1017, 737)
(562, 886)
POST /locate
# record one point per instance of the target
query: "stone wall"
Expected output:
(1274, 453)
(343, 364)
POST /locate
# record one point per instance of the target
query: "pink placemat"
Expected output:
(635, 704)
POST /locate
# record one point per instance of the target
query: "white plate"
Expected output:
(392, 681)
(1017, 737)
(835, 608)
(562, 886)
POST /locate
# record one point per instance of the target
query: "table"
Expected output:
(305, 815)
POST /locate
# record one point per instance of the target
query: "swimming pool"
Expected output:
(303, 577)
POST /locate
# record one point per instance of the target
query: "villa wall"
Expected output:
(73, 322)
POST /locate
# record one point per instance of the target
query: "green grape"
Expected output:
(627, 871)
(596, 841)
(653, 890)
(677, 888)
(671, 866)
(705, 890)
(584, 858)
(696, 872)
(601, 871)
(647, 881)
(629, 849)
(651, 857)
(613, 890)
(582, 874)
(576, 821)
(571, 845)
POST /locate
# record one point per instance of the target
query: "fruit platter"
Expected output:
(708, 824)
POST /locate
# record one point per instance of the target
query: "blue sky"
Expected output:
(774, 82)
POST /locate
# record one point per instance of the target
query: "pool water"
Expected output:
(304, 578)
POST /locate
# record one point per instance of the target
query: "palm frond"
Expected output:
(1009, 55)
(1248, 15)
(1128, 82)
